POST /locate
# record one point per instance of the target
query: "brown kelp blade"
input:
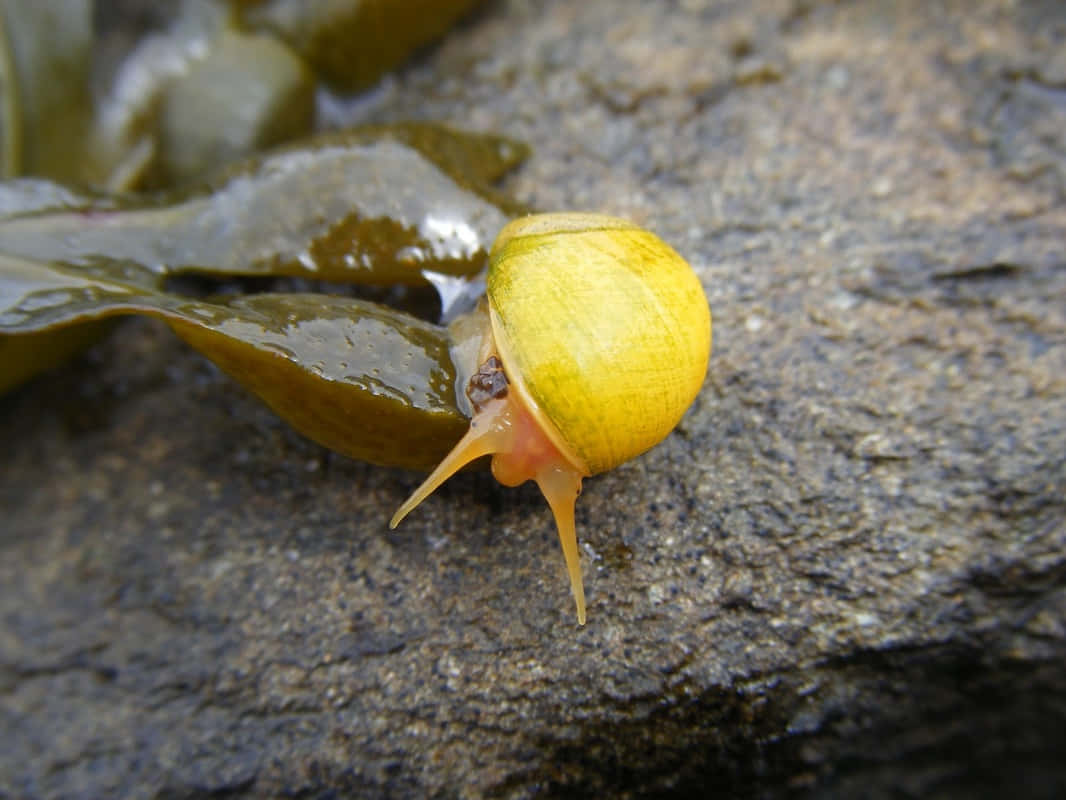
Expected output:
(362, 379)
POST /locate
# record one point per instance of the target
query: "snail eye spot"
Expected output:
(488, 383)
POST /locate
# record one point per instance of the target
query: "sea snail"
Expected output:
(596, 341)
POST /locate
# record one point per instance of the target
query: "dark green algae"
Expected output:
(351, 44)
(376, 206)
(104, 93)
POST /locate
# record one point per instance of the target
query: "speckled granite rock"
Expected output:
(844, 575)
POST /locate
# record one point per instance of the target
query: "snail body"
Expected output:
(596, 341)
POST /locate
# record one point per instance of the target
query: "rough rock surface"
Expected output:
(844, 575)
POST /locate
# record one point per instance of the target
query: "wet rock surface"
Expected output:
(844, 574)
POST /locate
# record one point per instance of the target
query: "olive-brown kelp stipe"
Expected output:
(604, 334)
(379, 205)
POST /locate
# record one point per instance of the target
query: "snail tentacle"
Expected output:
(560, 488)
(489, 432)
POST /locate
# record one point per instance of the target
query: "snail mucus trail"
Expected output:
(595, 337)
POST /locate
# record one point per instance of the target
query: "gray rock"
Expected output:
(844, 575)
